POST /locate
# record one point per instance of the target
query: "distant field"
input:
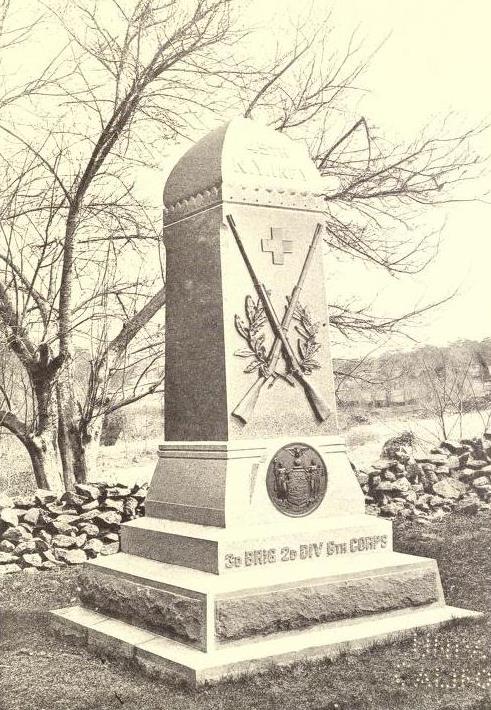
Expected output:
(133, 457)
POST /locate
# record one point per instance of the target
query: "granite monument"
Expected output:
(255, 546)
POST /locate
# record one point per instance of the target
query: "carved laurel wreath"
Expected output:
(307, 344)
(250, 330)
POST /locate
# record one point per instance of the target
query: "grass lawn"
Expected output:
(447, 669)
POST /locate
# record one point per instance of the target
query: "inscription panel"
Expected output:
(257, 556)
(264, 160)
(255, 154)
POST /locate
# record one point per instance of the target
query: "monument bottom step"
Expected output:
(161, 656)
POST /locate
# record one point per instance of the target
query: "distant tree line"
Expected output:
(437, 380)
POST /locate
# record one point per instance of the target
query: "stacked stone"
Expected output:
(43, 531)
(454, 476)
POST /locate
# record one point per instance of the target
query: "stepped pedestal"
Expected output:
(208, 601)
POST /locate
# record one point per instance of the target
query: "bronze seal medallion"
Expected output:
(296, 480)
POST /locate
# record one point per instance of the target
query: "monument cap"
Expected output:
(242, 161)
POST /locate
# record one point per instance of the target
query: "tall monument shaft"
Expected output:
(217, 334)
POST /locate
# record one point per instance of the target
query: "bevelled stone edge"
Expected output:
(274, 196)
(261, 195)
(308, 605)
(219, 452)
(154, 609)
(252, 446)
(161, 656)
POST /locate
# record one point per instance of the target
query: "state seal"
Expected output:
(296, 480)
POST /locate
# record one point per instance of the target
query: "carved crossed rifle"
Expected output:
(246, 406)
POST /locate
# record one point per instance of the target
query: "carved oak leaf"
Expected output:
(307, 344)
(250, 308)
(302, 349)
(252, 335)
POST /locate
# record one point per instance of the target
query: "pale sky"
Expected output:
(436, 60)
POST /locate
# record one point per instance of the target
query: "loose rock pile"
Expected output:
(43, 531)
(454, 476)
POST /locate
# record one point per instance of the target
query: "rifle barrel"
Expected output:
(317, 403)
(293, 302)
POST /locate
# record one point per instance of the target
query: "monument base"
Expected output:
(159, 655)
(204, 627)
(253, 586)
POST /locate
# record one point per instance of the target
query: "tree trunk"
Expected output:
(45, 460)
(90, 437)
(43, 445)
(68, 427)
(42, 449)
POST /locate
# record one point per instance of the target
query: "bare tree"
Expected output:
(132, 76)
(71, 219)
(379, 197)
(446, 387)
(442, 384)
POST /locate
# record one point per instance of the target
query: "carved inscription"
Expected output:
(305, 551)
(263, 160)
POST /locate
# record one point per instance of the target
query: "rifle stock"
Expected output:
(320, 408)
(245, 409)
(316, 402)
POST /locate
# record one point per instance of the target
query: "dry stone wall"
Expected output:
(456, 476)
(43, 531)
